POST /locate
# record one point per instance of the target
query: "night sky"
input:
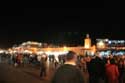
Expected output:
(57, 25)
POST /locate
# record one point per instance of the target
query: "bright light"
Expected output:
(40, 52)
(109, 42)
(48, 53)
(87, 43)
(101, 44)
(27, 51)
(87, 46)
(1, 51)
(56, 53)
(65, 48)
(106, 40)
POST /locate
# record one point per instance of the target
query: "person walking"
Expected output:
(43, 67)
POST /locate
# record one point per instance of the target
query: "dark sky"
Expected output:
(57, 25)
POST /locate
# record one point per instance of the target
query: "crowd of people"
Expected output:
(110, 69)
(96, 69)
(71, 68)
(40, 61)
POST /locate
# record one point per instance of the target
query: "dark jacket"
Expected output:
(96, 67)
(68, 74)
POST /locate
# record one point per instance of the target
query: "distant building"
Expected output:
(87, 42)
(87, 49)
(37, 47)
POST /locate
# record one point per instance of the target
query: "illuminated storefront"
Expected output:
(111, 47)
(38, 48)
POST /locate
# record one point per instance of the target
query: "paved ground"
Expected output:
(28, 74)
